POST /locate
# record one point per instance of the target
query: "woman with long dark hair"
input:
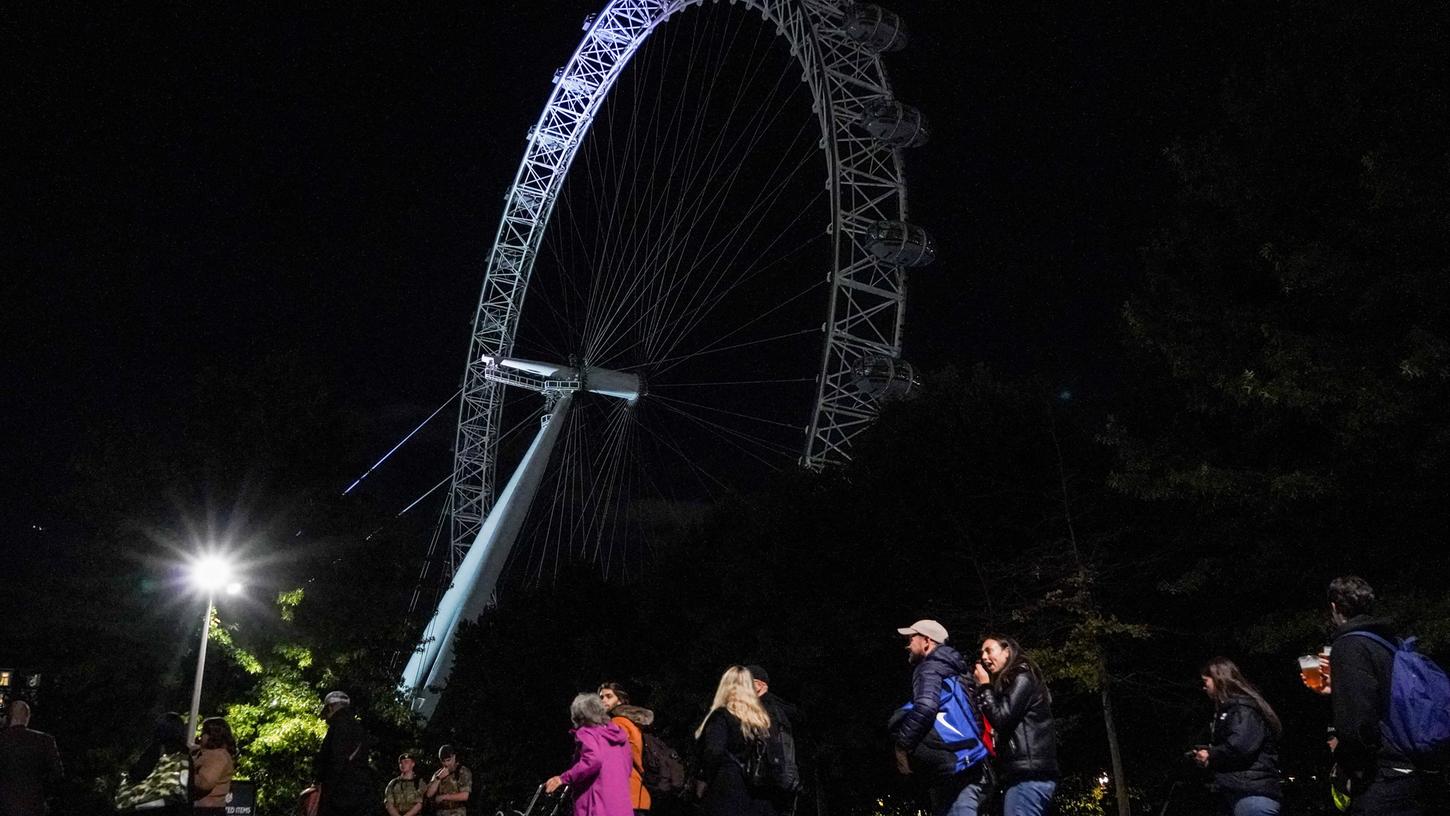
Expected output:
(1243, 750)
(1013, 696)
(213, 762)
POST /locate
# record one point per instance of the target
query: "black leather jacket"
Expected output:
(1243, 752)
(1021, 718)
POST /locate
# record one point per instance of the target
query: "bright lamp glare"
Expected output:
(211, 573)
(234, 588)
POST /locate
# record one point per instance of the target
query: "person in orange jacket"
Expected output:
(631, 718)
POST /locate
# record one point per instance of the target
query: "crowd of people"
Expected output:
(170, 775)
(1373, 772)
(977, 732)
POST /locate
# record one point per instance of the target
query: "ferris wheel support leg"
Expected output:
(477, 576)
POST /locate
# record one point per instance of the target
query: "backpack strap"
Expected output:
(1372, 636)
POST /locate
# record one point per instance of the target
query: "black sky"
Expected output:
(194, 187)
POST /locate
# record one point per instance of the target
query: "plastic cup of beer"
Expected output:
(1309, 670)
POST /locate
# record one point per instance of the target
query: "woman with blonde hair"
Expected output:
(736, 727)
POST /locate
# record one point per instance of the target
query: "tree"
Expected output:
(1290, 325)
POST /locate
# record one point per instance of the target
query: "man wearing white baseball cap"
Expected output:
(934, 632)
(957, 794)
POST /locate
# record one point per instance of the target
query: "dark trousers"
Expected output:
(1390, 793)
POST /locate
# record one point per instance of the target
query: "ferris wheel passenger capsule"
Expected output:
(895, 123)
(897, 242)
(874, 28)
(879, 377)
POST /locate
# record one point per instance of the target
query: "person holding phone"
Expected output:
(1243, 749)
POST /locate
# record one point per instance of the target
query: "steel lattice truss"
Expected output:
(865, 184)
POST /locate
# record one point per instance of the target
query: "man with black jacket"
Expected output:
(341, 764)
(29, 764)
(934, 662)
(1382, 780)
(784, 717)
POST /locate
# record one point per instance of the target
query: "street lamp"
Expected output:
(208, 574)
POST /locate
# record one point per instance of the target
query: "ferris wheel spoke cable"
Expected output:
(402, 442)
(734, 347)
(564, 495)
(697, 169)
(760, 443)
(718, 271)
(724, 190)
(705, 348)
(624, 525)
(730, 436)
(714, 298)
(772, 456)
(695, 468)
(564, 265)
(745, 276)
(590, 494)
(714, 344)
(633, 152)
(681, 159)
(540, 541)
(733, 382)
(414, 503)
(717, 409)
(604, 491)
(714, 154)
(706, 309)
(660, 202)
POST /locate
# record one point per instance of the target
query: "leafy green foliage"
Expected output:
(276, 718)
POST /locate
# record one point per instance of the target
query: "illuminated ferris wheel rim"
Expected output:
(837, 45)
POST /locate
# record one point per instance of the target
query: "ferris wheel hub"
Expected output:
(552, 379)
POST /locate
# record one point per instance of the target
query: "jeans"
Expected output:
(1253, 806)
(1030, 797)
(960, 796)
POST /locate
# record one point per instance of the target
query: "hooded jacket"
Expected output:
(1359, 673)
(926, 683)
(1243, 752)
(599, 777)
(632, 719)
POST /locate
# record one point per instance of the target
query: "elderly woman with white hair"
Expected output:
(599, 777)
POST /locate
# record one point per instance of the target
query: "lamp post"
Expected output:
(208, 574)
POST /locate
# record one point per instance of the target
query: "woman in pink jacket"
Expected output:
(599, 777)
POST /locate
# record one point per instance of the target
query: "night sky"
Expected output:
(196, 188)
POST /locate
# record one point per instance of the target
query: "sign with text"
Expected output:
(242, 800)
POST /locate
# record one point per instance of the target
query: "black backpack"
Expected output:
(770, 763)
(664, 770)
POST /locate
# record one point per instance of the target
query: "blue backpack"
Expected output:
(1418, 719)
(956, 726)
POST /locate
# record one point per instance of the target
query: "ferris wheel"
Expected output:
(710, 225)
